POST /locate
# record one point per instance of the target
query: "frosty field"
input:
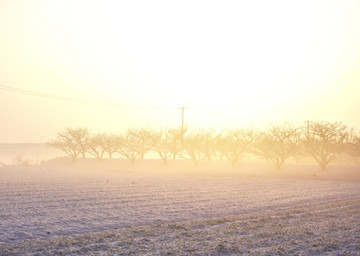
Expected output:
(114, 207)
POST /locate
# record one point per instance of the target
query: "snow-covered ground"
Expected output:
(58, 203)
(322, 229)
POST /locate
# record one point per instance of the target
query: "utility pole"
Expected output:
(182, 117)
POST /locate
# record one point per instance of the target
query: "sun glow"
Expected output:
(230, 63)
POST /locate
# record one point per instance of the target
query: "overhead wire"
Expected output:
(76, 100)
(92, 102)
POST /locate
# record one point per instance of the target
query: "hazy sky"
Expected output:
(232, 63)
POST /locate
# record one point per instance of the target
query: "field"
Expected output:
(114, 208)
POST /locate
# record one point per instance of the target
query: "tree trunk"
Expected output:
(196, 163)
(323, 166)
(233, 163)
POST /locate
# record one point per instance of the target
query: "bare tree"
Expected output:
(162, 145)
(210, 137)
(194, 148)
(353, 146)
(175, 138)
(325, 141)
(97, 145)
(141, 139)
(235, 144)
(129, 148)
(81, 136)
(67, 141)
(278, 144)
(112, 144)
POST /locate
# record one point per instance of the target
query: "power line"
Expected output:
(76, 100)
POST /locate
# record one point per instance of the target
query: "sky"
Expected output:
(231, 63)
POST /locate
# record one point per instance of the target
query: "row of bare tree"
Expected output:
(323, 141)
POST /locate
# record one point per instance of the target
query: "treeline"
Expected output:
(323, 141)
